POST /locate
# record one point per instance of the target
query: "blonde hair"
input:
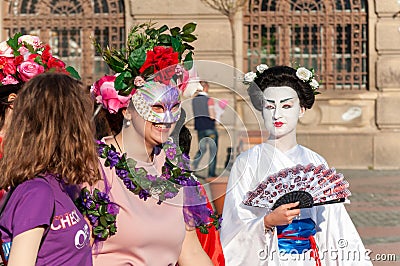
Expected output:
(51, 130)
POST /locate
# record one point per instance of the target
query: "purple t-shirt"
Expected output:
(31, 205)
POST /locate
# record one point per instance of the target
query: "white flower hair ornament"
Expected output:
(250, 76)
(307, 75)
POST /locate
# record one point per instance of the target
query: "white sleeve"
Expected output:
(337, 238)
(242, 232)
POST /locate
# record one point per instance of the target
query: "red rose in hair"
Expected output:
(32, 57)
(18, 60)
(9, 69)
(46, 55)
(56, 63)
(160, 57)
(2, 61)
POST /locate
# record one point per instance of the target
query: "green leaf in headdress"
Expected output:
(189, 37)
(119, 82)
(13, 43)
(175, 31)
(73, 73)
(189, 28)
(137, 58)
(163, 28)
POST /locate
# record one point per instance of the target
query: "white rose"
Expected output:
(5, 50)
(31, 40)
(260, 68)
(314, 84)
(303, 73)
(249, 77)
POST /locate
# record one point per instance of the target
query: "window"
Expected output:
(68, 26)
(327, 35)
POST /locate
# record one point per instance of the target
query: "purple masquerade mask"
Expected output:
(157, 103)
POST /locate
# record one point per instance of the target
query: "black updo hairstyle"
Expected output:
(279, 76)
(5, 91)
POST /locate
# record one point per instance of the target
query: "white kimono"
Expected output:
(243, 237)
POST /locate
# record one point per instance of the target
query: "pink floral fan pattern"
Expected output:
(311, 185)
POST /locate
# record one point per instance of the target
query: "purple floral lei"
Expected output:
(100, 211)
(166, 186)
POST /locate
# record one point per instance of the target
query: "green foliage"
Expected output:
(141, 39)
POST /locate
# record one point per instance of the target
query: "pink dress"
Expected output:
(147, 233)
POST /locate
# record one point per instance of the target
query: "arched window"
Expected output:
(327, 35)
(70, 26)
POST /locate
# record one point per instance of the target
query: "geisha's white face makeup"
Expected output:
(281, 111)
(157, 103)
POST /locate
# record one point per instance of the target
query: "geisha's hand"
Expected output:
(282, 215)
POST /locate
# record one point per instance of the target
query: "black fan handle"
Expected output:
(330, 202)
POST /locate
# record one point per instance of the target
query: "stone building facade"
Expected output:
(358, 130)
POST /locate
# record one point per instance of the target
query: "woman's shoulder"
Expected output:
(36, 192)
(313, 154)
(35, 185)
(255, 151)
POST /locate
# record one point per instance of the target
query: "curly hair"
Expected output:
(50, 131)
(279, 76)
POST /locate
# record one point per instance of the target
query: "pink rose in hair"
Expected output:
(9, 80)
(28, 70)
(104, 92)
(31, 40)
(24, 52)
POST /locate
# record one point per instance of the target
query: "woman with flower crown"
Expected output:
(137, 211)
(321, 235)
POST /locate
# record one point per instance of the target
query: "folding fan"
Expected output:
(310, 185)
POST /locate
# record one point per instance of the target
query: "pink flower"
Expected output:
(24, 52)
(104, 92)
(9, 80)
(28, 70)
(31, 40)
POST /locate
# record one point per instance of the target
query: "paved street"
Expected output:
(375, 210)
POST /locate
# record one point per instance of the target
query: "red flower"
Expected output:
(46, 55)
(9, 69)
(56, 63)
(160, 57)
(18, 60)
(3, 61)
(32, 57)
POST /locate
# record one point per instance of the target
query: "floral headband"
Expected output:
(24, 56)
(302, 73)
(151, 54)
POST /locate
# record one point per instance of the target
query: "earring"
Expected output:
(127, 123)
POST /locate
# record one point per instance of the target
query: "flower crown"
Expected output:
(150, 54)
(24, 56)
(302, 73)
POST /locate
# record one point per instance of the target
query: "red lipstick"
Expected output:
(278, 124)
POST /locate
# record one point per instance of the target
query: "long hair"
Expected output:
(50, 131)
